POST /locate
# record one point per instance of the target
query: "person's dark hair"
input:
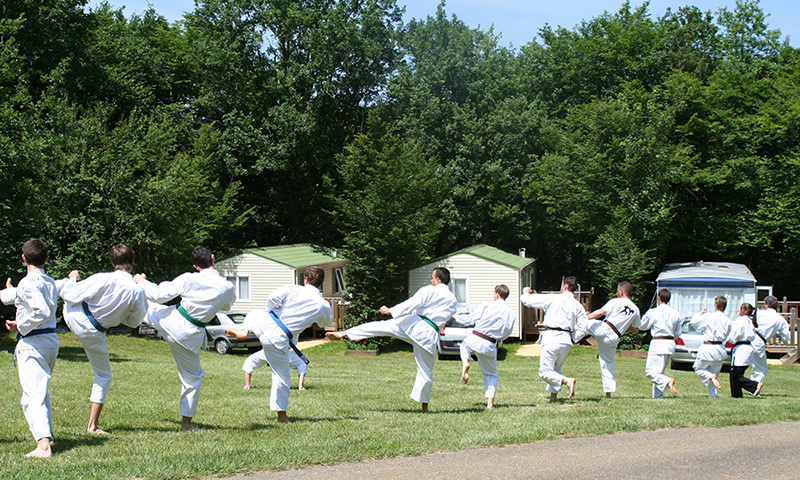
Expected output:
(121, 257)
(315, 276)
(626, 288)
(442, 274)
(664, 295)
(35, 252)
(201, 256)
(747, 310)
(571, 283)
(771, 302)
(502, 290)
(720, 302)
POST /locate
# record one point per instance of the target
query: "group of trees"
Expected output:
(606, 150)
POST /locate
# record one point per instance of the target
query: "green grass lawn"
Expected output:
(355, 409)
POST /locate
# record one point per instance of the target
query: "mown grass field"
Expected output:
(355, 408)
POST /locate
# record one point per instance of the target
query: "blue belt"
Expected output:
(289, 336)
(91, 318)
(33, 333)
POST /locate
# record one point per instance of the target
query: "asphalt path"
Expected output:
(762, 452)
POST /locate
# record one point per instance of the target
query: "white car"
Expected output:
(215, 332)
(687, 345)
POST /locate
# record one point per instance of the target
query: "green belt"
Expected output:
(194, 321)
(430, 323)
(190, 318)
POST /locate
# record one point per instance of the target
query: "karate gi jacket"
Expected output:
(493, 318)
(297, 306)
(36, 298)
(716, 327)
(203, 294)
(662, 321)
(622, 313)
(113, 299)
(741, 331)
(436, 303)
(560, 311)
(771, 323)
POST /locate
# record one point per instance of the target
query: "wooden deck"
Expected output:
(789, 350)
(534, 316)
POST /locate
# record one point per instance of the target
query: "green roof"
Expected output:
(492, 254)
(297, 255)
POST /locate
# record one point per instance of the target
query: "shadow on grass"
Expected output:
(77, 354)
(65, 444)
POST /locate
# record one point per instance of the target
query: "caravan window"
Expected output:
(459, 288)
(689, 301)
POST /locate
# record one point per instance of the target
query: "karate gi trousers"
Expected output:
(654, 369)
(36, 357)
(96, 348)
(425, 359)
(486, 352)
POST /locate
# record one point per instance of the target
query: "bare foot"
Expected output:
(96, 431)
(553, 397)
(490, 403)
(283, 417)
(239, 334)
(336, 335)
(464, 373)
(716, 382)
(301, 387)
(570, 383)
(758, 390)
(247, 387)
(671, 385)
(425, 408)
(42, 449)
(188, 428)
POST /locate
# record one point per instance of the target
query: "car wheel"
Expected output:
(222, 346)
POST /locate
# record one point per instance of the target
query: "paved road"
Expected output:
(758, 452)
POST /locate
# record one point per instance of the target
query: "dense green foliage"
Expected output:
(607, 150)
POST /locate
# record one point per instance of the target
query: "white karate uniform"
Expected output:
(36, 298)
(495, 320)
(437, 304)
(560, 311)
(297, 307)
(710, 357)
(203, 294)
(770, 324)
(113, 299)
(259, 359)
(662, 321)
(620, 312)
(741, 331)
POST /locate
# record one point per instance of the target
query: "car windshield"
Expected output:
(459, 321)
(236, 317)
(688, 328)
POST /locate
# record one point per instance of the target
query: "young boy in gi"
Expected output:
(664, 323)
(35, 297)
(203, 294)
(493, 323)
(94, 305)
(770, 324)
(296, 308)
(417, 321)
(712, 352)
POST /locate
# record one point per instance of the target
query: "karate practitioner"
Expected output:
(664, 323)
(712, 352)
(292, 309)
(36, 298)
(203, 294)
(741, 336)
(259, 359)
(416, 321)
(770, 324)
(92, 306)
(620, 313)
(493, 323)
(564, 323)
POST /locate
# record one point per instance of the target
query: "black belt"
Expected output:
(712, 343)
(559, 329)
(485, 337)
(761, 337)
(747, 342)
(667, 337)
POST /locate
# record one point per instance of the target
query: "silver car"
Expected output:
(453, 332)
(223, 344)
(687, 345)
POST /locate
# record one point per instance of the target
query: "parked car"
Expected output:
(453, 332)
(687, 345)
(216, 331)
(223, 344)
